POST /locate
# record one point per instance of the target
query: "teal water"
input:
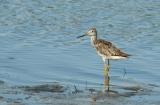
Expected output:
(38, 41)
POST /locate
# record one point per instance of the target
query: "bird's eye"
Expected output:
(92, 31)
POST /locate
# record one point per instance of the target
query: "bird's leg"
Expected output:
(106, 78)
(108, 67)
(105, 75)
(108, 82)
(105, 70)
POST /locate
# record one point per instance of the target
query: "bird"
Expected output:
(105, 49)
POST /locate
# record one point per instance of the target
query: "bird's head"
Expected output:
(91, 32)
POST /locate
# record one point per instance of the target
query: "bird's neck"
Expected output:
(93, 39)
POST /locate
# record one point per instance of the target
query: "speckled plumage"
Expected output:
(105, 48)
(108, 49)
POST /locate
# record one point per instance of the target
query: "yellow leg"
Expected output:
(105, 70)
(108, 81)
(105, 74)
(106, 77)
(108, 67)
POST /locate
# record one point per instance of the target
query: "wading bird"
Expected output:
(105, 49)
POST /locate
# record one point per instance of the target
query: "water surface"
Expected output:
(38, 41)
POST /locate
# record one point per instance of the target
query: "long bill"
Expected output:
(81, 36)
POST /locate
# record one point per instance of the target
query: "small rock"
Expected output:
(1, 97)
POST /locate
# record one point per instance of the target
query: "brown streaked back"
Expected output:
(108, 49)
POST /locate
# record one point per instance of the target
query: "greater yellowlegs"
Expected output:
(105, 49)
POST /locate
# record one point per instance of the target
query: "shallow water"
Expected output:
(38, 41)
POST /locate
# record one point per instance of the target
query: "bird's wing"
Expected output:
(107, 48)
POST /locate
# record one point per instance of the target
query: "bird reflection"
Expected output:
(106, 88)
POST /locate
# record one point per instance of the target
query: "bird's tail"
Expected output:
(126, 55)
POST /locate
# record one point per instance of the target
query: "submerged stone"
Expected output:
(1, 82)
(45, 88)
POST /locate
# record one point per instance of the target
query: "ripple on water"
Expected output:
(38, 42)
